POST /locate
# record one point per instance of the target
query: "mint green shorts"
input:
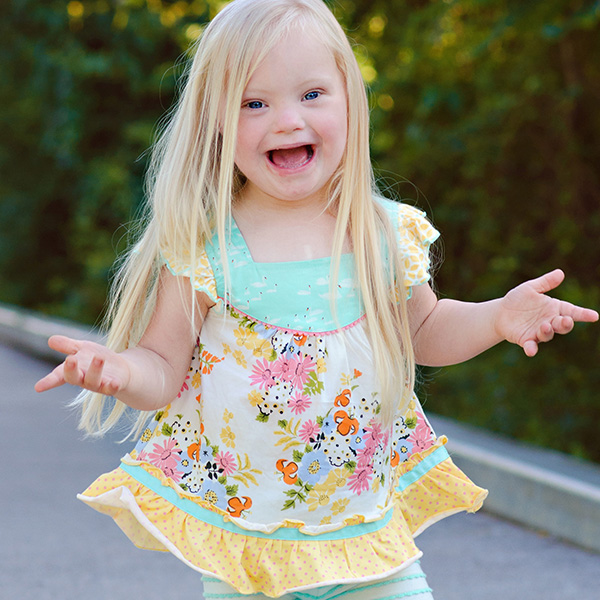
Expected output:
(408, 583)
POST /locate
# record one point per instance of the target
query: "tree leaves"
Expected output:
(483, 113)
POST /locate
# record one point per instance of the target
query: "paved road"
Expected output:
(53, 547)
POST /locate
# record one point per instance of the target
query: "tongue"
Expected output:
(290, 158)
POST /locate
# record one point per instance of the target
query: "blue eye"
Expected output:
(254, 104)
(312, 95)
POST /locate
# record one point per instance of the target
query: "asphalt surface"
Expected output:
(53, 547)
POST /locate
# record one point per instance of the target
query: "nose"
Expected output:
(288, 118)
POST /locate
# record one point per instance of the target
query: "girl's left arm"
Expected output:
(447, 332)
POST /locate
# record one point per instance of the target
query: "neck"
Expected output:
(255, 200)
(279, 230)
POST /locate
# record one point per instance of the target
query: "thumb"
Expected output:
(548, 282)
(64, 344)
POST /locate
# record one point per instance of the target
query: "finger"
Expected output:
(562, 325)
(50, 381)
(545, 332)
(64, 344)
(530, 348)
(92, 379)
(71, 371)
(548, 282)
(111, 388)
(578, 313)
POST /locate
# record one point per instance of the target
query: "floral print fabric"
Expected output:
(280, 426)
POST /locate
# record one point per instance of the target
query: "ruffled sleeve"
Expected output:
(414, 236)
(202, 277)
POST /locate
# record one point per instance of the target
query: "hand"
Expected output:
(88, 365)
(527, 317)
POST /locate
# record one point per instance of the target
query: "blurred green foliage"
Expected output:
(484, 114)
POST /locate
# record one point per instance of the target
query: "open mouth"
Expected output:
(291, 158)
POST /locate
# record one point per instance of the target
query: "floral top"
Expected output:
(275, 435)
(277, 420)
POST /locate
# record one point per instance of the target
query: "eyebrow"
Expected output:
(318, 81)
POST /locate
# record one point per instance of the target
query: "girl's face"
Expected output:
(293, 122)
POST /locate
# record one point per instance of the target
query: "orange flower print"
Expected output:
(289, 470)
(208, 361)
(193, 451)
(343, 399)
(345, 424)
(235, 506)
(300, 339)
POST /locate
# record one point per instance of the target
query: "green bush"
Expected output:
(484, 114)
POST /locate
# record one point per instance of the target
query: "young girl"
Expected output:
(271, 315)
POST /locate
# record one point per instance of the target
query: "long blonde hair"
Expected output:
(192, 181)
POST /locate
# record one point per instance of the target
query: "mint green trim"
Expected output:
(426, 590)
(331, 595)
(326, 594)
(291, 534)
(217, 520)
(433, 460)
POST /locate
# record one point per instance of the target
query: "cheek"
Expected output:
(336, 131)
(248, 139)
(242, 145)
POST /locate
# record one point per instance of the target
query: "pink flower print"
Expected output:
(422, 437)
(227, 462)
(308, 431)
(364, 456)
(299, 403)
(282, 369)
(172, 473)
(372, 439)
(184, 387)
(166, 458)
(360, 480)
(300, 367)
(262, 374)
(373, 434)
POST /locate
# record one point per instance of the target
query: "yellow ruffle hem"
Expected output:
(155, 515)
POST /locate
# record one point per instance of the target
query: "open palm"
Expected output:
(527, 316)
(88, 365)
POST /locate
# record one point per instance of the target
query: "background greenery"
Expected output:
(488, 108)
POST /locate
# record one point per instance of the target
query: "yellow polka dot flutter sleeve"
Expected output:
(415, 234)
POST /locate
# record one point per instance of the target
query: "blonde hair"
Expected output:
(192, 181)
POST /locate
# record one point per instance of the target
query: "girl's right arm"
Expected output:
(148, 376)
